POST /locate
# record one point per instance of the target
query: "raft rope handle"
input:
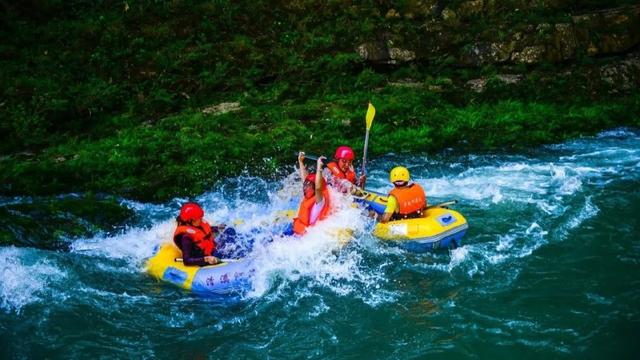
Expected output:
(179, 259)
(445, 204)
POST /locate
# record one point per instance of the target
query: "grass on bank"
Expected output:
(187, 153)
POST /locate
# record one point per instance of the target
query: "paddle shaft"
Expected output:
(371, 113)
(364, 153)
(443, 204)
(311, 157)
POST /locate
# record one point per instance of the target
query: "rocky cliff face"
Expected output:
(481, 32)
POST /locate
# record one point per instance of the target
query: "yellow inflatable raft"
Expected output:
(233, 276)
(440, 227)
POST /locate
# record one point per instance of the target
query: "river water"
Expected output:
(550, 268)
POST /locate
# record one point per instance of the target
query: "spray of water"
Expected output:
(28, 276)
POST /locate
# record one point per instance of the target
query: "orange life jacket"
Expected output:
(335, 170)
(202, 237)
(301, 222)
(411, 199)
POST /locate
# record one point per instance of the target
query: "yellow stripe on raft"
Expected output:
(165, 258)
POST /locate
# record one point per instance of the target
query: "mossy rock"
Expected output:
(51, 223)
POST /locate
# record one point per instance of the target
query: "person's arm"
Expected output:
(187, 249)
(392, 204)
(362, 180)
(384, 218)
(302, 168)
(319, 180)
(218, 229)
(343, 185)
(188, 259)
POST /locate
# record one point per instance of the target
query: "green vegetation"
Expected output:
(187, 153)
(108, 96)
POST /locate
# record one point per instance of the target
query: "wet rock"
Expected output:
(564, 43)
(471, 8)
(407, 83)
(373, 51)
(608, 32)
(623, 75)
(398, 55)
(385, 53)
(392, 14)
(509, 78)
(419, 9)
(487, 53)
(442, 34)
(450, 17)
(479, 85)
(222, 108)
(529, 55)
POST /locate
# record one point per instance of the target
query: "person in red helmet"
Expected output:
(343, 174)
(315, 204)
(195, 237)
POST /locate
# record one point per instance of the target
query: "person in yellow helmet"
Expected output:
(406, 200)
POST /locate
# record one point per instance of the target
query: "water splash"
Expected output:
(27, 276)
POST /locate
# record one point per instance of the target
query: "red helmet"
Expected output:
(345, 152)
(191, 212)
(312, 178)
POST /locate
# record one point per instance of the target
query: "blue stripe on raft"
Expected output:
(373, 205)
(449, 242)
(377, 207)
(175, 276)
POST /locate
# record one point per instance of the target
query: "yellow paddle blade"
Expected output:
(371, 112)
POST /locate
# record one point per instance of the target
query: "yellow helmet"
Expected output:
(399, 173)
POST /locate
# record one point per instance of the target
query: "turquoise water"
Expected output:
(548, 269)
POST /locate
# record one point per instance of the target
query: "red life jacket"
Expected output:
(301, 222)
(335, 170)
(411, 199)
(202, 237)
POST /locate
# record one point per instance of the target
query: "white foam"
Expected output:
(319, 257)
(458, 256)
(587, 211)
(617, 133)
(26, 280)
(599, 299)
(134, 245)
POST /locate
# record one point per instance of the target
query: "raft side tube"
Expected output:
(438, 228)
(223, 278)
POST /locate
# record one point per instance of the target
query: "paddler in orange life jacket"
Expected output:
(343, 174)
(315, 204)
(194, 236)
(405, 200)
